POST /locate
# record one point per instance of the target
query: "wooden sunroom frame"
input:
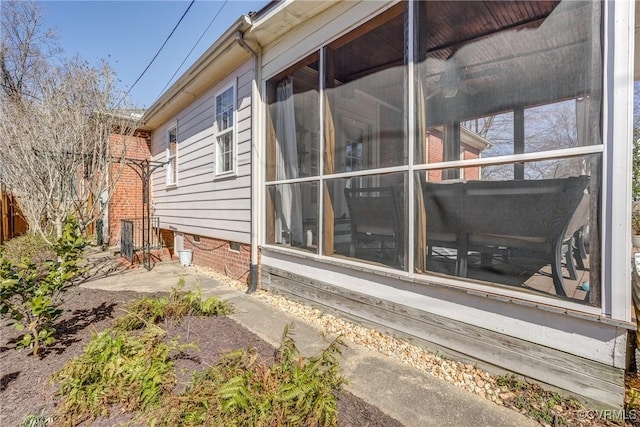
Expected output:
(618, 30)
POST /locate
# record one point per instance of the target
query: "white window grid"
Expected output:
(172, 156)
(224, 131)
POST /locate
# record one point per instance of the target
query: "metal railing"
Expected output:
(133, 239)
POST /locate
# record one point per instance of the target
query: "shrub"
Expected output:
(31, 295)
(31, 246)
(635, 163)
(635, 222)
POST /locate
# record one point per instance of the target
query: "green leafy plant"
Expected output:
(633, 400)
(635, 222)
(40, 420)
(31, 246)
(544, 406)
(177, 305)
(116, 368)
(31, 294)
(239, 391)
(635, 163)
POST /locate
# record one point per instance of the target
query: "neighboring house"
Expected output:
(126, 197)
(326, 145)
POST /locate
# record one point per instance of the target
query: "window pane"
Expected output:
(527, 80)
(172, 167)
(293, 117)
(365, 87)
(366, 219)
(533, 234)
(225, 152)
(292, 215)
(224, 110)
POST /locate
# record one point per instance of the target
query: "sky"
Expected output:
(127, 34)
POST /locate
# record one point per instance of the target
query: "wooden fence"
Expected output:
(12, 223)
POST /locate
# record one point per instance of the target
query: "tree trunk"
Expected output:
(58, 224)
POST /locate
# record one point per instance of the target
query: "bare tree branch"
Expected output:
(55, 155)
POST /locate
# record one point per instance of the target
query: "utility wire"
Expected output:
(157, 53)
(192, 49)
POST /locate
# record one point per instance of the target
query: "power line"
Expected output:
(157, 53)
(193, 48)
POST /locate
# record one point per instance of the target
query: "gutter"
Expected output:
(192, 74)
(255, 156)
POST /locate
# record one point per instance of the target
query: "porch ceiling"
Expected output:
(492, 46)
(503, 54)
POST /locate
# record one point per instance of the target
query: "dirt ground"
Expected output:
(25, 386)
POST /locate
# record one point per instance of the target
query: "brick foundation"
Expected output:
(218, 255)
(167, 237)
(157, 255)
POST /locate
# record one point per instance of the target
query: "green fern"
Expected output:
(238, 391)
(151, 310)
(116, 368)
(40, 420)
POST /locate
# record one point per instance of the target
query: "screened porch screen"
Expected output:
(482, 162)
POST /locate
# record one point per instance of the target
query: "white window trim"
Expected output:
(617, 131)
(169, 184)
(619, 312)
(233, 131)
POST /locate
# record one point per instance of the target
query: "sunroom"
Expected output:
(440, 154)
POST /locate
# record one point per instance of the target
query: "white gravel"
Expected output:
(462, 375)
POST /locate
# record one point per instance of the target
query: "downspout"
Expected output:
(255, 181)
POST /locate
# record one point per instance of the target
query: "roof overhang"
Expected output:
(467, 137)
(214, 65)
(282, 16)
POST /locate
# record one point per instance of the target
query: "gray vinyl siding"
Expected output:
(201, 203)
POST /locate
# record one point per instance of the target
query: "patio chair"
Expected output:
(442, 201)
(373, 213)
(536, 218)
(573, 238)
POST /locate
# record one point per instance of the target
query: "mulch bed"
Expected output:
(25, 386)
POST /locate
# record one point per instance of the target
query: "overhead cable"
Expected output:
(157, 53)
(192, 49)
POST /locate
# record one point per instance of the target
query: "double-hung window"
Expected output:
(172, 156)
(224, 130)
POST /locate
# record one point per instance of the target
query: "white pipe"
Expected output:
(256, 102)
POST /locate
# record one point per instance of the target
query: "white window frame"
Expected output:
(609, 285)
(172, 161)
(217, 133)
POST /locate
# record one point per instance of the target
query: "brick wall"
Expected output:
(218, 255)
(473, 172)
(167, 237)
(126, 201)
(436, 155)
